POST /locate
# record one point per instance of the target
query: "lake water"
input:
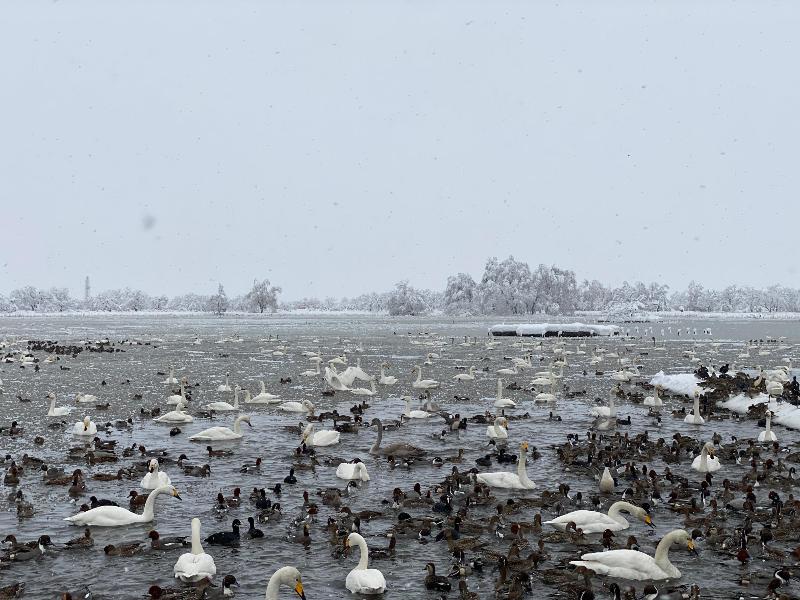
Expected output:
(402, 343)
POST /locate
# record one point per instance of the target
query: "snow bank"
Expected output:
(784, 413)
(679, 383)
(553, 329)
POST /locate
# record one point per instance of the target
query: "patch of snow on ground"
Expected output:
(784, 413)
(679, 383)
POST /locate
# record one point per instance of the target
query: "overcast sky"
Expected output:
(339, 147)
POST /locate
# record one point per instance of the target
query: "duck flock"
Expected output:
(414, 464)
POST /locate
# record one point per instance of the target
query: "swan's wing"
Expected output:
(499, 479)
(584, 517)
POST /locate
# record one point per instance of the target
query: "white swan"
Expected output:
(176, 398)
(386, 379)
(112, 516)
(632, 564)
(225, 406)
(608, 412)
(592, 521)
(350, 374)
(503, 479)
(768, 435)
(222, 433)
(304, 406)
(263, 397)
(466, 376)
(288, 576)
(414, 414)
(312, 372)
(224, 387)
(547, 396)
(364, 391)
(154, 478)
(352, 470)
(774, 388)
(501, 402)
(333, 380)
(363, 580)
(85, 398)
(607, 482)
(175, 416)
(498, 431)
(695, 418)
(170, 380)
(196, 565)
(57, 411)
(85, 427)
(326, 437)
(705, 462)
(655, 399)
(424, 384)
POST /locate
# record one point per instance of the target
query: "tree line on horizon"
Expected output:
(507, 287)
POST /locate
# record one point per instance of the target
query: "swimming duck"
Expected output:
(434, 581)
(226, 538)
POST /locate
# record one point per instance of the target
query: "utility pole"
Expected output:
(87, 290)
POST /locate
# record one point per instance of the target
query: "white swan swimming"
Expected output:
(86, 398)
(57, 411)
(768, 435)
(304, 406)
(607, 482)
(414, 414)
(333, 380)
(175, 416)
(176, 398)
(655, 399)
(386, 379)
(694, 418)
(85, 427)
(501, 402)
(706, 462)
(225, 406)
(504, 479)
(312, 372)
(466, 376)
(224, 387)
(363, 580)
(170, 380)
(350, 374)
(326, 437)
(286, 576)
(635, 565)
(154, 478)
(371, 391)
(222, 433)
(499, 430)
(424, 384)
(550, 396)
(592, 521)
(607, 412)
(352, 470)
(112, 516)
(196, 565)
(263, 397)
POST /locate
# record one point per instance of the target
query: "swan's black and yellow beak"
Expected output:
(692, 549)
(177, 495)
(649, 521)
(298, 589)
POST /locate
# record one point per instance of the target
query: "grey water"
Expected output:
(402, 343)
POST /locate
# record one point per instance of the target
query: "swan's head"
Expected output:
(523, 447)
(86, 422)
(153, 466)
(308, 404)
(245, 419)
(645, 516)
(51, 396)
(174, 493)
(290, 577)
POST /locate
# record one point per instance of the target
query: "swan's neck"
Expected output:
(521, 471)
(183, 392)
(696, 409)
(247, 396)
(318, 371)
(147, 513)
(372, 386)
(377, 443)
(617, 507)
(263, 388)
(197, 547)
(419, 374)
(704, 458)
(497, 426)
(499, 389)
(383, 375)
(274, 585)
(769, 423)
(237, 425)
(662, 552)
(52, 404)
(611, 404)
(236, 398)
(408, 408)
(363, 561)
(655, 390)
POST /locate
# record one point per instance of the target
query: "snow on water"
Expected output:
(528, 329)
(679, 383)
(784, 413)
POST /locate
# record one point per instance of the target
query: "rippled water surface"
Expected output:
(402, 344)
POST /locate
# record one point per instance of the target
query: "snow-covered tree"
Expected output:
(263, 296)
(59, 299)
(28, 298)
(160, 302)
(460, 294)
(405, 300)
(218, 303)
(505, 287)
